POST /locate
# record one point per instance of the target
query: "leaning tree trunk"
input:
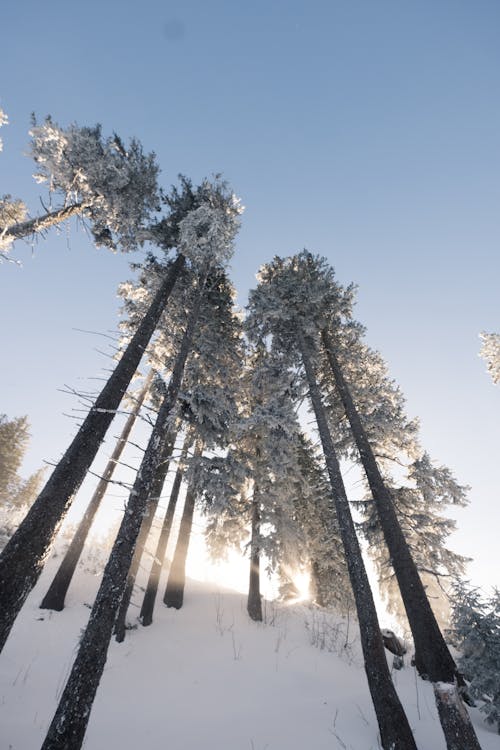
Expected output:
(174, 592)
(148, 603)
(68, 727)
(254, 601)
(147, 522)
(56, 594)
(432, 656)
(395, 732)
(22, 559)
(39, 223)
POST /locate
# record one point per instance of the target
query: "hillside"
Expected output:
(206, 676)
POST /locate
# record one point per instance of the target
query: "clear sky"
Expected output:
(365, 131)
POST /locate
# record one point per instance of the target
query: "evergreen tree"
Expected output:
(208, 233)
(207, 400)
(209, 223)
(22, 560)
(14, 438)
(112, 186)
(475, 631)
(284, 309)
(305, 305)
(16, 494)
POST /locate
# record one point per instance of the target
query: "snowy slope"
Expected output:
(207, 677)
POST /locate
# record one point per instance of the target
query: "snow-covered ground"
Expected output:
(207, 677)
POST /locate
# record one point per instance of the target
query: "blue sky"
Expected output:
(364, 131)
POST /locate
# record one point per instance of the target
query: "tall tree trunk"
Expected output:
(22, 559)
(432, 656)
(147, 522)
(254, 601)
(39, 223)
(69, 724)
(148, 603)
(55, 596)
(316, 587)
(174, 592)
(395, 732)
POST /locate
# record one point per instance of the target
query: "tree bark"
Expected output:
(317, 595)
(56, 594)
(39, 223)
(148, 603)
(147, 522)
(22, 559)
(432, 656)
(395, 732)
(254, 601)
(69, 724)
(174, 592)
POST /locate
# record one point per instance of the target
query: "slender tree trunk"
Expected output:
(148, 603)
(254, 601)
(174, 592)
(69, 724)
(39, 223)
(147, 522)
(56, 594)
(395, 732)
(316, 585)
(22, 559)
(432, 656)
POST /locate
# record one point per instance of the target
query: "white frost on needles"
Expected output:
(208, 233)
(490, 352)
(11, 212)
(116, 186)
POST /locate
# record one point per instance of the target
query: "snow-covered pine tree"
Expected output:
(208, 403)
(113, 186)
(490, 352)
(475, 631)
(202, 218)
(207, 234)
(14, 439)
(253, 489)
(307, 283)
(207, 400)
(269, 435)
(288, 308)
(16, 494)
